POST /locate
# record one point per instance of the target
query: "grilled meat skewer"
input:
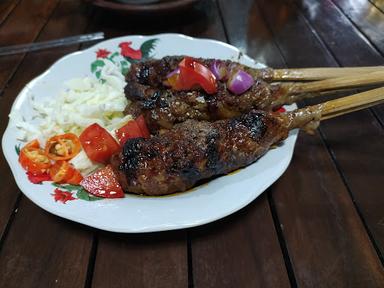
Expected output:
(145, 77)
(151, 73)
(167, 107)
(193, 150)
(164, 107)
(196, 150)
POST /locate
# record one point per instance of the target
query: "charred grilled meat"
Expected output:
(196, 150)
(167, 107)
(163, 107)
(144, 78)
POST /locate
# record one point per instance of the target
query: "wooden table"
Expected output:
(320, 225)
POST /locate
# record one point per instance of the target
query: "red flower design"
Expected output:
(128, 51)
(38, 179)
(63, 196)
(102, 53)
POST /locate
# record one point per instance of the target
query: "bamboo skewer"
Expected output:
(335, 83)
(307, 74)
(351, 103)
(309, 117)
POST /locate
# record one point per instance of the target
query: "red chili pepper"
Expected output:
(38, 179)
(33, 159)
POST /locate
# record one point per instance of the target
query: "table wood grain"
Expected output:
(320, 225)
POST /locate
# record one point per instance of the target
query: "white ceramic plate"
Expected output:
(207, 203)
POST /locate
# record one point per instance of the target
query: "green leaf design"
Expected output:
(84, 195)
(147, 47)
(98, 74)
(81, 193)
(68, 187)
(124, 67)
(131, 61)
(95, 65)
(113, 55)
(17, 149)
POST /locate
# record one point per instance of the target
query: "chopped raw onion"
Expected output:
(219, 69)
(171, 77)
(174, 72)
(239, 82)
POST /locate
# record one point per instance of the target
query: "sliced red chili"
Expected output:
(33, 159)
(63, 147)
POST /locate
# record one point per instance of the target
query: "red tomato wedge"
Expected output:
(103, 183)
(143, 126)
(98, 144)
(33, 159)
(193, 73)
(128, 131)
(133, 129)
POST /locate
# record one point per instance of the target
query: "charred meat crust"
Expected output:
(153, 72)
(163, 107)
(193, 151)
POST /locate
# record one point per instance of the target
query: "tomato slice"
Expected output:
(33, 159)
(103, 183)
(98, 144)
(194, 73)
(128, 131)
(62, 147)
(143, 126)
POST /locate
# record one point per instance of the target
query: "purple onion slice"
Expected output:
(239, 82)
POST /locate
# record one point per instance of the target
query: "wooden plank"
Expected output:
(143, 260)
(242, 29)
(362, 129)
(42, 250)
(6, 7)
(69, 18)
(326, 240)
(239, 251)
(342, 38)
(286, 22)
(13, 31)
(297, 194)
(379, 4)
(368, 18)
(39, 249)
